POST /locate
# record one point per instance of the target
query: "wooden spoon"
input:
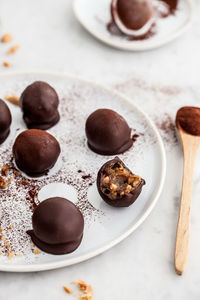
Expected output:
(190, 144)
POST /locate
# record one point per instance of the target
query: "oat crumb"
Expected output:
(10, 227)
(12, 99)
(36, 251)
(2, 237)
(67, 290)
(6, 38)
(10, 179)
(13, 49)
(1, 229)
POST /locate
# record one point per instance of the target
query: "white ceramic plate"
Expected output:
(95, 15)
(105, 226)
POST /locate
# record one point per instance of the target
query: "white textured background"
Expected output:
(141, 267)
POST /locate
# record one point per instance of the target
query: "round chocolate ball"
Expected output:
(117, 185)
(57, 226)
(5, 121)
(39, 103)
(131, 14)
(35, 152)
(107, 132)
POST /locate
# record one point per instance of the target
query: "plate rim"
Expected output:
(63, 263)
(140, 44)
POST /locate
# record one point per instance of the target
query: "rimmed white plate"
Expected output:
(95, 15)
(104, 226)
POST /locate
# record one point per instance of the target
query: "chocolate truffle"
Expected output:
(5, 121)
(188, 118)
(35, 152)
(107, 132)
(133, 17)
(117, 185)
(57, 226)
(39, 103)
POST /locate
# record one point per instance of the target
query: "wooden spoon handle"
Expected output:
(182, 235)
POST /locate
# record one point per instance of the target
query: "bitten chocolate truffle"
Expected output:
(57, 226)
(39, 103)
(117, 185)
(35, 152)
(5, 121)
(132, 17)
(107, 132)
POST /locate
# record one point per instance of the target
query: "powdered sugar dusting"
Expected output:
(79, 165)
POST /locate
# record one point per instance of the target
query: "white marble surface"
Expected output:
(141, 267)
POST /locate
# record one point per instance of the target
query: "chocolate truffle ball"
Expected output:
(39, 103)
(117, 185)
(107, 132)
(5, 121)
(132, 15)
(35, 152)
(57, 226)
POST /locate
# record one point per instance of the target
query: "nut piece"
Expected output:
(67, 290)
(36, 251)
(13, 49)
(6, 38)
(25, 181)
(4, 170)
(6, 64)
(11, 254)
(82, 285)
(16, 172)
(7, 245)
(3, 184)
(106, 179)
(12, 99)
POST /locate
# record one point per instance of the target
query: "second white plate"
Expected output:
(95, 15)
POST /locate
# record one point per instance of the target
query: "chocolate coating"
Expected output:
(57, 226)
(107, 132)
(117, 185)
(5, 121)
(39, 103)
(35, 152)
(134, 14)
(188, 118)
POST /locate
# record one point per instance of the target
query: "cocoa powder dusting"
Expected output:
(167, 129)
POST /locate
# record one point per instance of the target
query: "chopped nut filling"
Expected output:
(117, 181)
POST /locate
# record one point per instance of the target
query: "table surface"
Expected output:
(141, 267)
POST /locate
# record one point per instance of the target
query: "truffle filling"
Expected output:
(118, 181)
